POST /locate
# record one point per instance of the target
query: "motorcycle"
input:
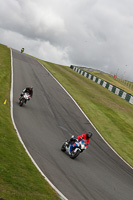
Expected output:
(74, 149)
(24, 98)
(22, 50)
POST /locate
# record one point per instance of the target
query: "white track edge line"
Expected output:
(88, 119)
(11, 110)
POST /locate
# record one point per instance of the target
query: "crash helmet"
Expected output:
(88, 135)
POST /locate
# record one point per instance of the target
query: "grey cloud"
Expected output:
(93, 33)
(31, 20)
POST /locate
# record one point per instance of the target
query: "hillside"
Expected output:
(19, 178)
(111, 115)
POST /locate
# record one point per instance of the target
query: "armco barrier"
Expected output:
(105, 84)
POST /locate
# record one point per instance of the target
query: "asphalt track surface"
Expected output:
(47, 120)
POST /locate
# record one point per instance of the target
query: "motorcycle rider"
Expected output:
(22, 50)
(28, 90)
(86, 138)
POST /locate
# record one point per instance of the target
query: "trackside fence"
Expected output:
(128, 97)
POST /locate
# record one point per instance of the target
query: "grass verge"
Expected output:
(19, 178)
(124, 85)
(110, 114)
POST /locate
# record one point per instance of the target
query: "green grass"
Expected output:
(111, 115)
(19, 178)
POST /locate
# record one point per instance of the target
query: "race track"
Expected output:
(47, 120)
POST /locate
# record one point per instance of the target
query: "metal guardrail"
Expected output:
(128, 97)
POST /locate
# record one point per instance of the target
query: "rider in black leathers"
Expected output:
(28, 90)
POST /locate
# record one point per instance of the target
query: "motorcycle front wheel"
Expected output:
(21, 103)
(74, 154)
(63, 148)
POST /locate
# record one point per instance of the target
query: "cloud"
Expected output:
(38, 48)
(31, 20)
(93, 33)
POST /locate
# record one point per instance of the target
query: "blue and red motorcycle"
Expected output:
(75, 148)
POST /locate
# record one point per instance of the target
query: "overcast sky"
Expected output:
(91, 33)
